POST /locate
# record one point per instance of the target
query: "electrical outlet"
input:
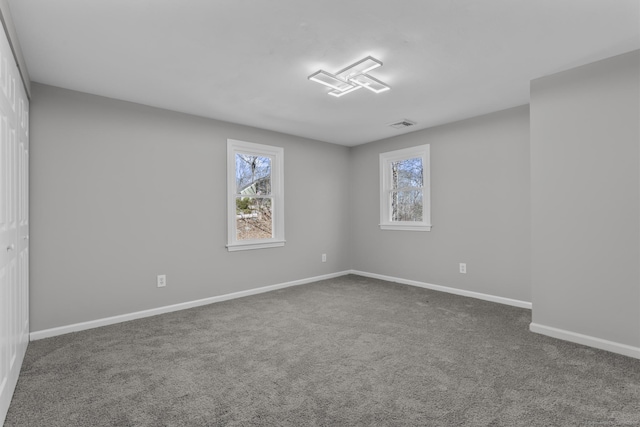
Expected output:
(463, 268)
(324, 257)
(162, 280)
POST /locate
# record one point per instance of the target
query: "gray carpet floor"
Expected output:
(351, 351)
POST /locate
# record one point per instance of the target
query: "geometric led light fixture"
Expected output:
(351, 78)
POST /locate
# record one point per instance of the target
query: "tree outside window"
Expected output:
(404, 189)
(255, 196)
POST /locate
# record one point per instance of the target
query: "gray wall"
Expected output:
(585, 200)
(480, 208)
(122, 192)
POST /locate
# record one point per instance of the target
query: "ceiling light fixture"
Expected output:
(351, 78)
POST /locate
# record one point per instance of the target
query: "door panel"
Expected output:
(22, 200)
(14, 224)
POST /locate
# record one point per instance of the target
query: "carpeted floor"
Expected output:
(351, 351)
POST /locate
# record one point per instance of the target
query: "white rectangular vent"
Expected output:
(402, 124)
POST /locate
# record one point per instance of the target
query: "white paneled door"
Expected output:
(14, 224)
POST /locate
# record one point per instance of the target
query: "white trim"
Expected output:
(462, 292)
(276, 154)
(61, 330)
(405, 227)
(259, 245)
(574, 337)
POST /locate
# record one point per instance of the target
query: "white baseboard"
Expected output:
(614, 347)
(590, 341)
(462, 292)
(46, 333)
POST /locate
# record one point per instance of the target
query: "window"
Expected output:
(255, 196)
(404, 189)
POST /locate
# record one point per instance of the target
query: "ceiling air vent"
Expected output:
(402, 124)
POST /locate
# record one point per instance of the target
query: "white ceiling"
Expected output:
(247, 61)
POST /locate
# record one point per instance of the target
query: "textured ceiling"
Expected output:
(247, 61)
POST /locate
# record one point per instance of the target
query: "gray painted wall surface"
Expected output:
(585, 199)
(122, 192)
(480, 208)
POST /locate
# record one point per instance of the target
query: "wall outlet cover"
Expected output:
(162, 280)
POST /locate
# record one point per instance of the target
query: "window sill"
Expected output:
(254, 245)
(406, 227)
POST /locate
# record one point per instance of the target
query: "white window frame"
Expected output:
(276, 154)
(386, 159)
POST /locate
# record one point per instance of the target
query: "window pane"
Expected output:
(253, 175)
(406, 173)
(406, 205)
(254, 218)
